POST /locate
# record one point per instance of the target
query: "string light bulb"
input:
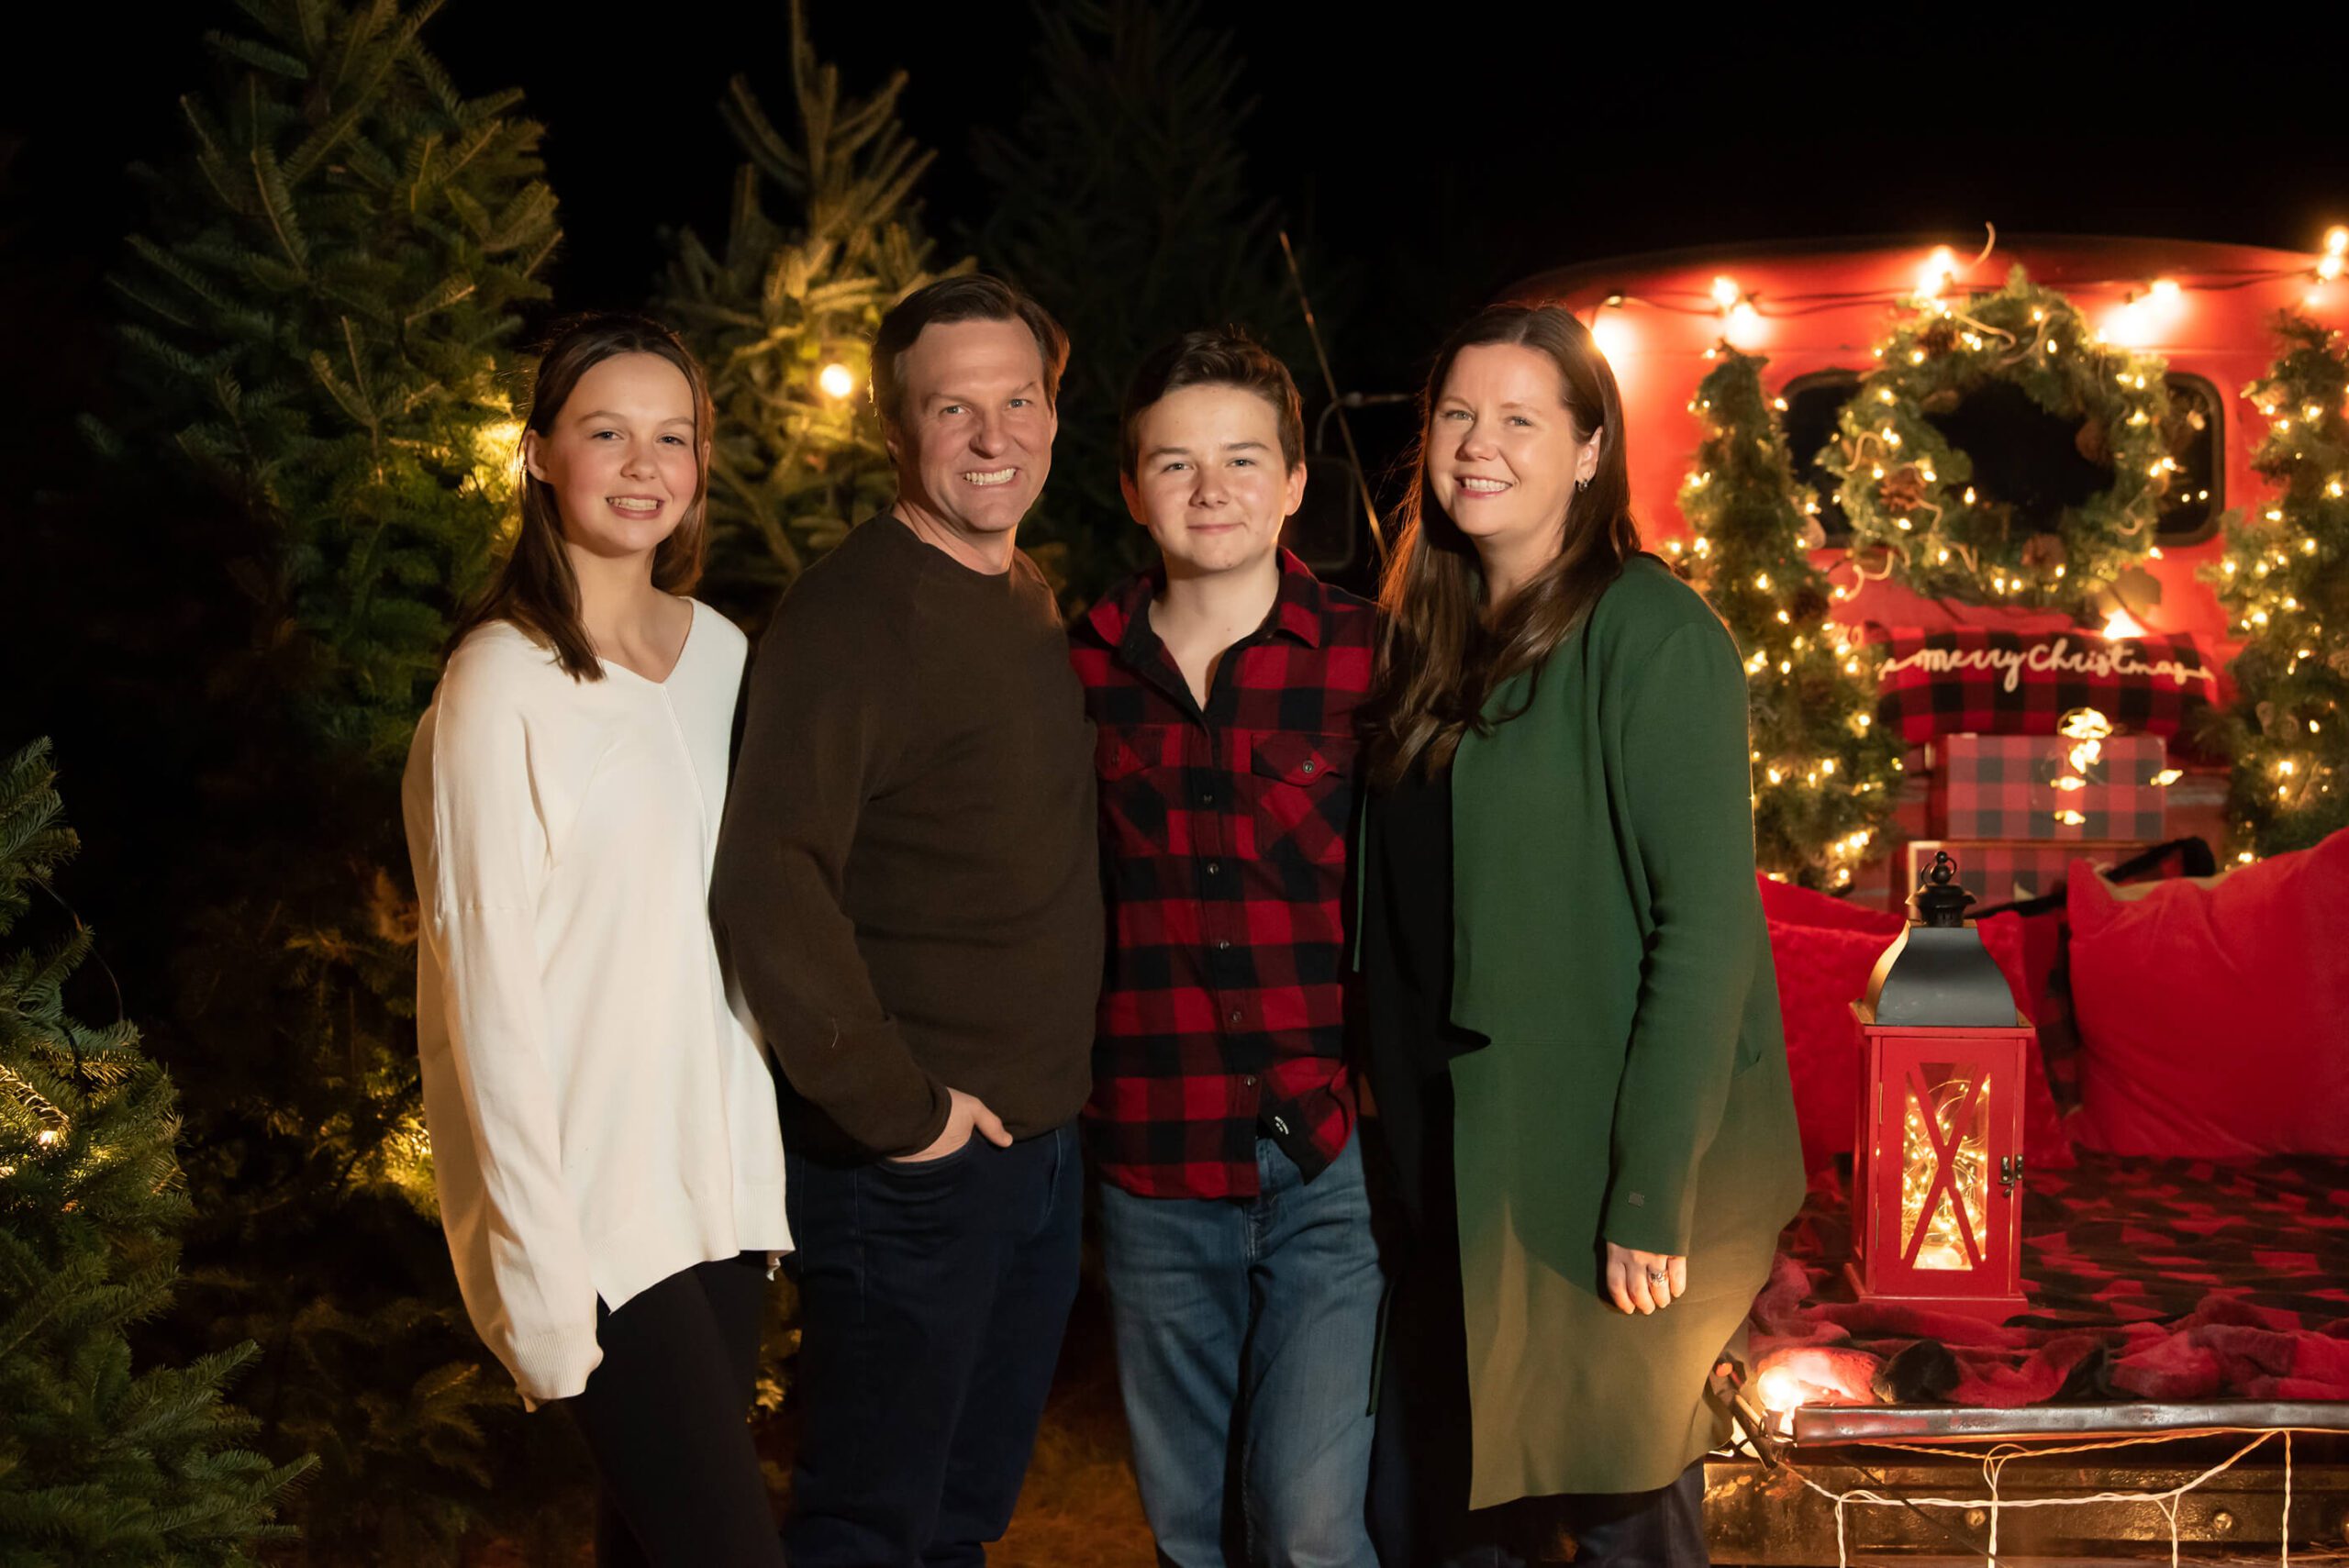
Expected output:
(1614, 335)
(1938, 273)
(836, 380)
(2336, 247)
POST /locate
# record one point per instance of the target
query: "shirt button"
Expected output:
(1250, 1080)
(1207, 797)
(1308, 767)
(1224, 945)
(1235, 1019)
(1214, 866)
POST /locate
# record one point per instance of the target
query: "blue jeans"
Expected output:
(931, 1301)
(1246, 1330)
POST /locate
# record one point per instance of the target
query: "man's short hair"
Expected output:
(971, 297)
(1218, 356)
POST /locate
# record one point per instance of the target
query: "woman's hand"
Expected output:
(1645, 1281)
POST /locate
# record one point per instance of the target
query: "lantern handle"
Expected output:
(1939, 900)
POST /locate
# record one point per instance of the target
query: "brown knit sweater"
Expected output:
(907, 882)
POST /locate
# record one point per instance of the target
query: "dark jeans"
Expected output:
(666, 1415)
(931, 1302)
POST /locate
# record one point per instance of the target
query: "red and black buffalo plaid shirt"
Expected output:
(1224, 836)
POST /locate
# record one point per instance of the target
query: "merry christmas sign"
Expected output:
(1973, 679)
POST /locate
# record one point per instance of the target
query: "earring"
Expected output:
(1581, 486)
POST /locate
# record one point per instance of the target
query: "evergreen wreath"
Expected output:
(1916, 515)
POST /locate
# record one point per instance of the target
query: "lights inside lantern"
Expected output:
(1943, 1131)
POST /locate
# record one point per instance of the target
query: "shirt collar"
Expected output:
(1121, 617)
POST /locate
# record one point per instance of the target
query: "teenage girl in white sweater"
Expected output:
(603, 1118)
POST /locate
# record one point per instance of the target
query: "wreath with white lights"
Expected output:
(1908, 493)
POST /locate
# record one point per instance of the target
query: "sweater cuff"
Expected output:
(869, 1084)
(554, 1364)
(1648, 1215)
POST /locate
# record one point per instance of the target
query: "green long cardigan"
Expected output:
(1609, 942)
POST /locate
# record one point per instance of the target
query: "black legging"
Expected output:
(1420, 1465)
(666, 1416)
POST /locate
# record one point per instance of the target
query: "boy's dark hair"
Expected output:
(1220, 355)
(971, 297)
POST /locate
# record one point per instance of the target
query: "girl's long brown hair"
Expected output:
(535, 587)
(1440, 658)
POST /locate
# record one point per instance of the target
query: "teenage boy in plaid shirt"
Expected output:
(1243, 1281)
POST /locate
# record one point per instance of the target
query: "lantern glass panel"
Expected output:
(1946, 1167)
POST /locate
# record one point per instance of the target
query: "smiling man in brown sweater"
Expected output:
(907, 887)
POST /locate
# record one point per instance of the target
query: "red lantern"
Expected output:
(1937, 1170)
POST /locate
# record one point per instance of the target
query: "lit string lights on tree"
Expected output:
(2284, 580)
(1908, 491)
(1824, 774)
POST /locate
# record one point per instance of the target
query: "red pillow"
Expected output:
(2214, 1015)
(1783, 901)
(1821, 972)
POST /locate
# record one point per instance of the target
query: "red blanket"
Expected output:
(2147, 1280)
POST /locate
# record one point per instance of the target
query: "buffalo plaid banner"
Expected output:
(2013, 787)
(2012, 870)
(2004, 683)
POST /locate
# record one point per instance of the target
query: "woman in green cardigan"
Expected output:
(1573, 1031)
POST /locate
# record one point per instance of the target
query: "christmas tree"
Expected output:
(101, 1461)
(1824, 774)
(320, 311)
(784, 318)
(2284, 579)
(1127, 164)
(321, 314)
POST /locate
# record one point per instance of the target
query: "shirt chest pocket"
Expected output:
(1139, 767)
(1302, 795)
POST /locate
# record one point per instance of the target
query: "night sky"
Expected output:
(1441, 158)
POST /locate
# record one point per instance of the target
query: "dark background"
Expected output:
(1434, 158)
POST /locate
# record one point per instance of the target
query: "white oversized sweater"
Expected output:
(601, 1111)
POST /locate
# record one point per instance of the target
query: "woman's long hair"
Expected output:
(535, 587)
(1441, 658)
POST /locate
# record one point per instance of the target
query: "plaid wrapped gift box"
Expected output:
(2003, 683)
(2011, 786)
(2009, 870)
